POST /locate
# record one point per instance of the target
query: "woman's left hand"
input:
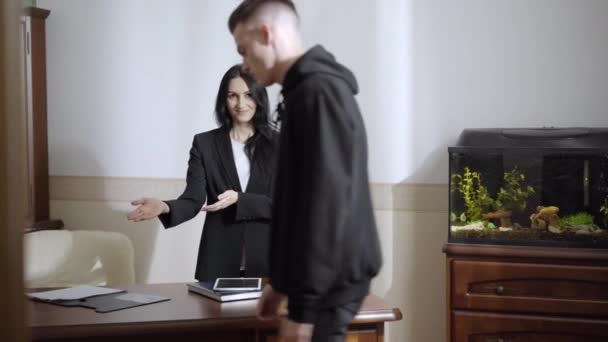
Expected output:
(224, 200)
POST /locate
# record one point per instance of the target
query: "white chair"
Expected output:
(58, 258)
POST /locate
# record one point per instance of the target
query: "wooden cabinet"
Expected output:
(517, 293)
(473, 326)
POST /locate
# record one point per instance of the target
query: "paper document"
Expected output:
(73, 293)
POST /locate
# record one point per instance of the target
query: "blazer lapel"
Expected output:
(226, 158)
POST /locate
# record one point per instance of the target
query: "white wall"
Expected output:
(507, 63)
(133, 80)
(130, 81)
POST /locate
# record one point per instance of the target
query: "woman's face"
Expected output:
(239, 102)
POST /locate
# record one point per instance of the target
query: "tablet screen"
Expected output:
(237, 284)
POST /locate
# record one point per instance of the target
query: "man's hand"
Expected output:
(291, 331)
(147, 208)
(224, 200)
(269, 303)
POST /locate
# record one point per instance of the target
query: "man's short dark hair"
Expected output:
(246, 9)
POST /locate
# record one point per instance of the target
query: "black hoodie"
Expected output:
(325, 246)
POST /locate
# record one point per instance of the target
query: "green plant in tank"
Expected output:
(514, 194)
(604, 211)
(577, 219)
(474, 193)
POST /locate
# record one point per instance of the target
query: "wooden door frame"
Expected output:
(13, 168)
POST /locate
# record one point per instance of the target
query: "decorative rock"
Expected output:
(554, 230)
(472, 226)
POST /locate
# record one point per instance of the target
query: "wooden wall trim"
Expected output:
(385, 196)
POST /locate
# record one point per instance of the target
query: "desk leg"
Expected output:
(366, 333)
(380, 332)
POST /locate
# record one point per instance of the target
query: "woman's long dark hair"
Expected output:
(260, 147)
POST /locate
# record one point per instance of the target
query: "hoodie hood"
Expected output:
(318, 60)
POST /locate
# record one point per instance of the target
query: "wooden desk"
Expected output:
(186, 317)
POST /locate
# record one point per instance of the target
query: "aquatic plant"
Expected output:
(604, 211)
(577, 219)
(474, 193)
(514, 194)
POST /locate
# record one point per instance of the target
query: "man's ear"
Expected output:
(267, 34)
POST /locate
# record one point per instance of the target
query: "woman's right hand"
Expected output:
(148, 208)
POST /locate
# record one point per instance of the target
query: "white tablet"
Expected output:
(238, 284)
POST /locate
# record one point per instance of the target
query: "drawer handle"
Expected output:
(500, 289)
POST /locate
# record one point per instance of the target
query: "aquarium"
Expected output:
(545, 186)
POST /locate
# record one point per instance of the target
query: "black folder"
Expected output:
(110, 302)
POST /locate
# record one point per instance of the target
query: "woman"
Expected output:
(232, 167)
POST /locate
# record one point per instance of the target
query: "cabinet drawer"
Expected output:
(519, 287)
(488, 327)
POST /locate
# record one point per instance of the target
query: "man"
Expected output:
(324, 243)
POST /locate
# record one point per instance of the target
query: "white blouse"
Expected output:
(242, 163)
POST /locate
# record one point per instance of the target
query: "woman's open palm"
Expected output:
(148, 208)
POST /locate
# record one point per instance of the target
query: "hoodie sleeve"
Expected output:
(323, 153)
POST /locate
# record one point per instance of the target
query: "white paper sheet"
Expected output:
(72, 293)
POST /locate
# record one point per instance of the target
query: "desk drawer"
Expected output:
(522, 287)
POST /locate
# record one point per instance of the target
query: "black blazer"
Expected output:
(211, 171)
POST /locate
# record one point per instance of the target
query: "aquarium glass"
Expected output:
(530, 187)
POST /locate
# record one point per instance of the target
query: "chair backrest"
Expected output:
(57, 258)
